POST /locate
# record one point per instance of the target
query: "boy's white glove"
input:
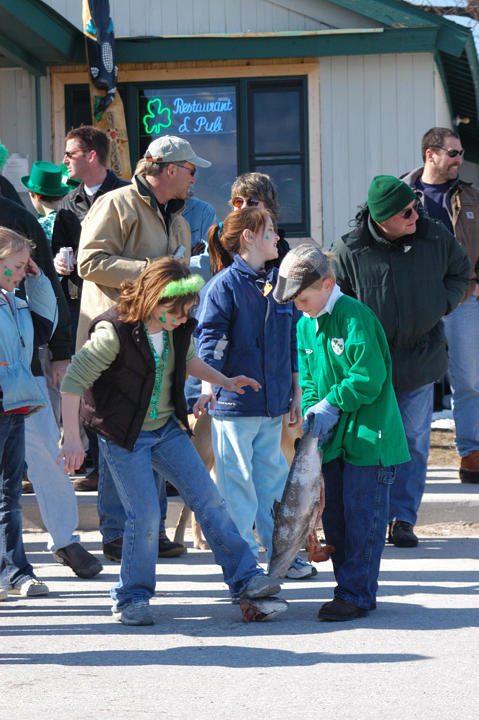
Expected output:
(320, 419)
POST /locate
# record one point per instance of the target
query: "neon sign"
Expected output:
(157, 117)
(189, 115)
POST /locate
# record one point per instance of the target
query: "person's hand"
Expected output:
(72, 453)
(295, 416)
(198, 248)
(200, 406)
(237, 383)
(320, 420)
(58, 369)
(31, 268)
(60, 265)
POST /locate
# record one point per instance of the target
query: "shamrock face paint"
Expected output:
(163, 317)
(12, 269)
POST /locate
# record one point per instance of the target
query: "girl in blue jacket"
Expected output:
(242, 329)
(23, 326)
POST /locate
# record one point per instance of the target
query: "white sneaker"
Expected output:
(3, 594)
(135, 613)
(299, 570)
(29, 588)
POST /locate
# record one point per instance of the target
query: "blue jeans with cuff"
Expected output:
(171, 454)
(354, 521)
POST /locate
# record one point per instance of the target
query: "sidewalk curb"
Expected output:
(445, 499)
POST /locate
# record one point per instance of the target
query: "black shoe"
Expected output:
(112, 550)
(339, 610)
(83, 563)
(401, 534)
(167, 548)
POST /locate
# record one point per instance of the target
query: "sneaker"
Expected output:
(259, 586)
(3, 594)
(135, 613)
(300, 570)
(167, 548)
(83, 563)
(112, 550)
(469, 468)
(401, 534)
(29, 588)
(339, 610)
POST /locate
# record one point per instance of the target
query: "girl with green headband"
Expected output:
(128, 383)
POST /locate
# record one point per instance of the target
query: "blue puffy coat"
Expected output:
(242, 330)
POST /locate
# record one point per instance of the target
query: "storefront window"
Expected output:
(206, 117)
(240, 126)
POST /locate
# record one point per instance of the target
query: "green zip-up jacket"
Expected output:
(344, 357)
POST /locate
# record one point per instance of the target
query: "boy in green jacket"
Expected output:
(350, 406)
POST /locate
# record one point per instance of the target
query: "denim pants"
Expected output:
(110, 508)
(462, 332)
(354, 521)
(15, 567)
(54, 491)
(415, 407)
(251, 473)
(170, 452)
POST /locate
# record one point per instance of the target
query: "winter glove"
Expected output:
(320, 419)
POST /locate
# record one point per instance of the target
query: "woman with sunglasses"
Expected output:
(411, 271)
(257, 190)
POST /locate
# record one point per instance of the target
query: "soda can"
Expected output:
(67, 257)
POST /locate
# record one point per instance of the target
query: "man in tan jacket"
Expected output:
(134, 225)
(124, 231)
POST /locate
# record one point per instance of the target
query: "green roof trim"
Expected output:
(314, 44)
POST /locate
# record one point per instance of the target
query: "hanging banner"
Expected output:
(106, 104)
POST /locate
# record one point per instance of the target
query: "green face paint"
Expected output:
(266, 237)
(173, 320)
(7, 272)
(163, 317)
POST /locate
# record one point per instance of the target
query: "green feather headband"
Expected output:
(186, 286)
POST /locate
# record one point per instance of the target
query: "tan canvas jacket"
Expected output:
(121, 234)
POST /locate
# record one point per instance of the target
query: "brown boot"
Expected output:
(27, 486)
(469, 468)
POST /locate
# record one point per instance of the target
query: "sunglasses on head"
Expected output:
(451, 153)
(407, 213)
(238, 202)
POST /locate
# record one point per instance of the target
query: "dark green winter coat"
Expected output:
(410, 284)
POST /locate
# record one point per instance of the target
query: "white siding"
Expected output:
(374, 110)
(133, 18)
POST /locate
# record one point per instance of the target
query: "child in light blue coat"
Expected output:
(23, 326)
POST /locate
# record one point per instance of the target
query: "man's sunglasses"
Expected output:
(238, 202)
(192, 171)
(72, 153)
(450, 153)
(406, 214)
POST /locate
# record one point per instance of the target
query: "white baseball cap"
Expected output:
(170, 148)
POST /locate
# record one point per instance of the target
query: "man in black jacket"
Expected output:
(55, 495)
(411, 271)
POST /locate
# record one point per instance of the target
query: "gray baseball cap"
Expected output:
(301, 267)
(170, 148)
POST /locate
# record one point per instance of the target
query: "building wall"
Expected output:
(374, 110)
(191, 17)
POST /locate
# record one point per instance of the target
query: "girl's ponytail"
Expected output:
(219, 256)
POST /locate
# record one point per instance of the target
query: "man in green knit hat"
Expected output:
(410, 271)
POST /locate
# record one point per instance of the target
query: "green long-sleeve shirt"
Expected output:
(344, 357)
(98, 353)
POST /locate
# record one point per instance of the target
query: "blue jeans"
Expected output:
(15, 566)
(251, 472)
(462, 332)
(415, 407)
(170, 452)
(110, 509)
(354, 521)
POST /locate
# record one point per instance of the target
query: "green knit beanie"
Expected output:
(387, 196)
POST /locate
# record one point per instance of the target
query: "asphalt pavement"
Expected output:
(415, 656)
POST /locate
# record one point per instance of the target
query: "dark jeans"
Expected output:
(14, 563)
(355, 519)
